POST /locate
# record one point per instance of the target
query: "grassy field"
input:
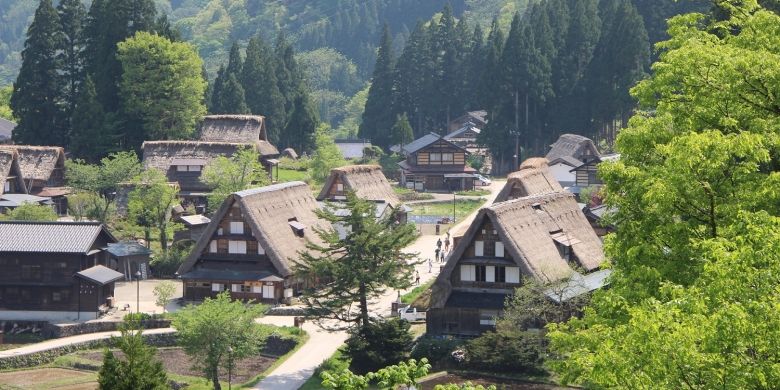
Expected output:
(463, 207)
(286, 175)
(475, 192)
(407, 195)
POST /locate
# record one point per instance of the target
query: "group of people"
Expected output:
(439, 257)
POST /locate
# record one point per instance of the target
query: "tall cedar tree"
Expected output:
(412, 76)
(402, 130)
(138, 369)
(73, 16)
(37, 96)
(359, 267)
(489, 83)
(262, 88)
(378, 116)
(229, 96)
(92, 141)
(300, 130)
(288, 74)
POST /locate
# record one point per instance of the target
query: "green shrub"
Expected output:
(379, 344)
(515, 351)
(137, 317)
(437, 351)
(165, 265)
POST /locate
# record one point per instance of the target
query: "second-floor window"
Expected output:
(237, 247)
(447, 158)
(236, 228)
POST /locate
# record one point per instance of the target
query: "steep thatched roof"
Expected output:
(38, 162)
(367, 181)
(533, 178)
(529, 228)
(245, 129)
(271, 211)
(290, 152)
(573, 145)
(163, 154)
(9, 166)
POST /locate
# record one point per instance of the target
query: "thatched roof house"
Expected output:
(10, 174)
(367, 181)
(260, 231)
(573, 145)
(544, 237)
(291, 153)
(41, 165)
(533, 178)
(246, 129)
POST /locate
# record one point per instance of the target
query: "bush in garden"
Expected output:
(437, 351)
(379, 344)
(515, 351)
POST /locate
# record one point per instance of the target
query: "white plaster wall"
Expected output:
(562, 174)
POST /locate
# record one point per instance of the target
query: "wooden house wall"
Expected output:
(423, 156)
(587, 175)
(333, 191)
(489, 237)
(455, 321)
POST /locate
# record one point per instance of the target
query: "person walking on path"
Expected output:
(438, 243)
(417, 278)
(430, 266)
(447, 243)
(437, 254)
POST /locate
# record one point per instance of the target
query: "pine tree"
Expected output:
(446, 48)
(235, 63)
(72, 19)
(261, 87)
(92, 141)
(413, 76)
(37, 95)
(139, 369)
(489, 83)
(378, 117)
(288, 73)
(475, 64)
(215, 96)
(231, 97)
(300, 130)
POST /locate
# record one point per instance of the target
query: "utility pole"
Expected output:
(517, 132)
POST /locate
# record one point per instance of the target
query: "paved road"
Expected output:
(54, 343)
(299, 367)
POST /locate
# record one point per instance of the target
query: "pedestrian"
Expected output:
(430, 266)
(437, 254)
(438, 243)
(417, 278)
(447, 243)
(442, 256)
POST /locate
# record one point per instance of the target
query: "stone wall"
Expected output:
(65, 330)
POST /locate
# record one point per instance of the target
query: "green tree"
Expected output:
(463, 386)
(5, 101)
(326, 155)
(92, 141)
(361, 266)
(163, 292)
(150, 204)
(226, 175)
(37, 96)
(73, 17)
(161, 86)
(261, 88)
(302, 126)
(138, 369)
(102, 180)
(218, 325)
(378, 115)
(231, 98)
(402, 130)
(403, 374)
(31, 212)
(379, 344)
(692, 301)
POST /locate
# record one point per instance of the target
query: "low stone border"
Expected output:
(55, 331)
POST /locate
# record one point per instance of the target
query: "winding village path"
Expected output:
(299, 367)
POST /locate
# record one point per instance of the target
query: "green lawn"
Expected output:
(475, 192)
(411, 296)
(463, 207)
(286, 175)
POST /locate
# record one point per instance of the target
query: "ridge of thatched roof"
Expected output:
(529, 228)
(38, 162)
(572, 145)
(269, 211)
(367, 181)
(161, 154)
(9, 166)
(533, 178)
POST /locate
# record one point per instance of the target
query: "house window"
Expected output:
(488, 317)
(213, 246)
(481, 273)
(447, 157)
(592, 178)
(238, 247)
(205, 284)
(435, 157)
(268, 292)
(7, 186)
(339, 187)
(500, 274)
(260, 249)
(220, 231)
(512, 274)
(257, 289)
(467, 273)
(217, 287)
(56, 297)
(479, 248)
(193, 168)
(499, 249)
(181, 168)
(241, 288)
(490, 273)
(236, 228)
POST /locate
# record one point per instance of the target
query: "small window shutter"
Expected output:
(216, 287)
(490, 273)
(499, 249)
(479, 248)
(512, 274)
(467, 273)
(257, 289)
(236, 287)
(236, 228)
(260, 249)
(268, 292)
(213, 246)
